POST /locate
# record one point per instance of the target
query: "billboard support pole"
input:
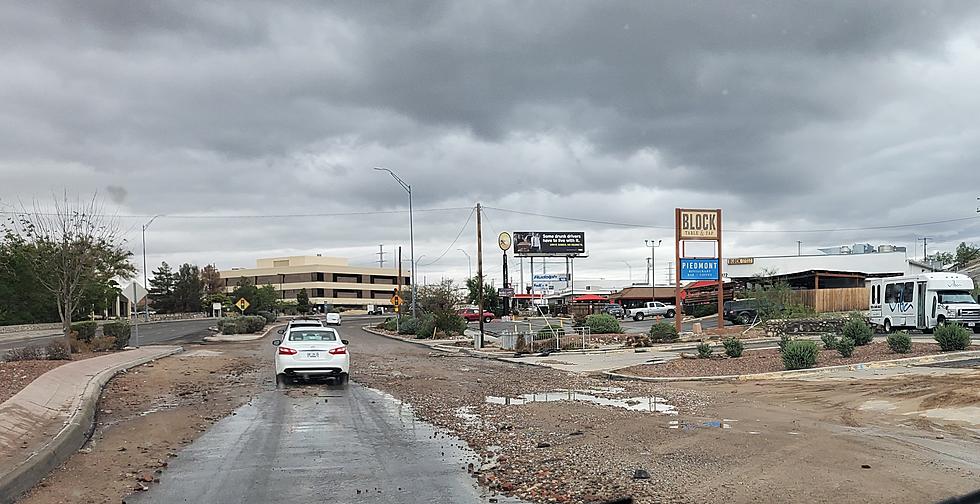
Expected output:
(506, 308)
(721, 283)
(679, 315)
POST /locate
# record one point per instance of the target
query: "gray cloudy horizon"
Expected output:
(791, 117)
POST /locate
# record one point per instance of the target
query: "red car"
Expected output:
(473, 314)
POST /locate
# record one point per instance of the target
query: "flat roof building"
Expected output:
(327, 280)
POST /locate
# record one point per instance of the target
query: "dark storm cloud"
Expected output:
(790, 115)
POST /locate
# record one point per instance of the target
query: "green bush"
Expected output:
(549, 332)
(704, 350)
(800, 354)
(253, 323)
(784, 340)
(859, 331)
(120, 331)
(845, 346)
(408, 325)
(952, 337)
(232, 326)
(456, 325)
(426, 326)
(900, 342)
(829, 341)
(579, 320)
(270, 318)
(85, 330)
(663, 332)
(603, 323)
(733, 347)
(390, 324)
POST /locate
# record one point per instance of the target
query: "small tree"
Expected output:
(211, 280)
(303, 302)
(188, 289)
(70, 246)
(161, 288)
(491, 301)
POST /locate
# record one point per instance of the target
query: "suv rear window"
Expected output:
(320, 335)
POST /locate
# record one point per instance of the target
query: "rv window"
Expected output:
(933, 307)
(909, 290)
(890, 293)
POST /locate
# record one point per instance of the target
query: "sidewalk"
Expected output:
(49, 419)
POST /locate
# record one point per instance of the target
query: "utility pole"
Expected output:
(381, 256)
(799, 247)
(398, 309)
(478, 341)
(924, 240)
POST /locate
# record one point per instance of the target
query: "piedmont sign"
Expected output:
(699, 269)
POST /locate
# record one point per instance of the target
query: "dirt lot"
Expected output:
(765, 361)
(14, 376)
(748, 442)
(147, 414)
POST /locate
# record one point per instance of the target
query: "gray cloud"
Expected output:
(788, 115)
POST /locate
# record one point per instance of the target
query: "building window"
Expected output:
(319, 292)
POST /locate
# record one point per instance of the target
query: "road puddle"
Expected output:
(651, 404)
(724, 423)
(877, 405)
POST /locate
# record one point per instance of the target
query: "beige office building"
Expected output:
(327, 280)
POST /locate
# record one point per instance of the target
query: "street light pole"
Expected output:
(653, 266)
(146, 305)
(469, 264)
(411, 228)
(630, 270)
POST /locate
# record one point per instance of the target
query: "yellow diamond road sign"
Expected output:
(396, 300)
(242, 304)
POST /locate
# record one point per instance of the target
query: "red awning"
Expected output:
(590, 297)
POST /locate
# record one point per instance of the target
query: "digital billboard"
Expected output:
(549, 243)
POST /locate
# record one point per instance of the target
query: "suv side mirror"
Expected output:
(345, 342)
(277, 342)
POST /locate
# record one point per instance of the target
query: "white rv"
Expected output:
(923, 301)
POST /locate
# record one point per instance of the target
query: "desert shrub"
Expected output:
(58, 350)
(86, 330)
(663, 332)
(579, 320)
(232, 326)
(733, 347)
(390, 324)
(795, 311)
(252, 323)
(900, 342)
(408, 325)
(456, 325)
(952, 337)
(784, 340)
(704, 350)
(800, 354)
(426, 326)
(829, 341)
(30, 352)
(549, 332)
(845, 346)
(603, 323)
(270, 318)
(103, 343)
(76, 345)
(118, 330)
(859, 331)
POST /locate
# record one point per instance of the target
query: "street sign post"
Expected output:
(242, 304)
(697, 225)
(504, 241)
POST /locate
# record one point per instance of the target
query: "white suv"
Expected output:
(311, 351)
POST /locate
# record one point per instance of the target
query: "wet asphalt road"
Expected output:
(321, 443)
(157, 332)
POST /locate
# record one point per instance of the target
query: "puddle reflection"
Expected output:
(650, 404)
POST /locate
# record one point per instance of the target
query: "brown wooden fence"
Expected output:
(832, 300)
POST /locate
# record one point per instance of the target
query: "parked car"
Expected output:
(333, 319)
(473, 314)
(612, 309)
(741, 311)
(304, 352)
(652, 309)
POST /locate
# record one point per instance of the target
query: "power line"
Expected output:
(451, 245)
(828, 230)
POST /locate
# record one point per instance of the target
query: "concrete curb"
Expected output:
(796, 373)
(239, 338)
(71, 437)
(416, 342)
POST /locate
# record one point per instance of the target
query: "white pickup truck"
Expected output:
(652, 309)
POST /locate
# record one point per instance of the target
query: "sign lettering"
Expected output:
(699, 225)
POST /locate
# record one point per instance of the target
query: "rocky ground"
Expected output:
(726, 442)
(765, 361)
(147, 414)
(16, 375)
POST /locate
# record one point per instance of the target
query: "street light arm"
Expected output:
(401, 182)
(151, 221)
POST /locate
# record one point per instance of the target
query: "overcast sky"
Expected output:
(790, 116)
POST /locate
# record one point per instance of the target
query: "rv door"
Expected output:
(920, 303)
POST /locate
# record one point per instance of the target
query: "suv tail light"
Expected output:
(337, 351)
(286, 351)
